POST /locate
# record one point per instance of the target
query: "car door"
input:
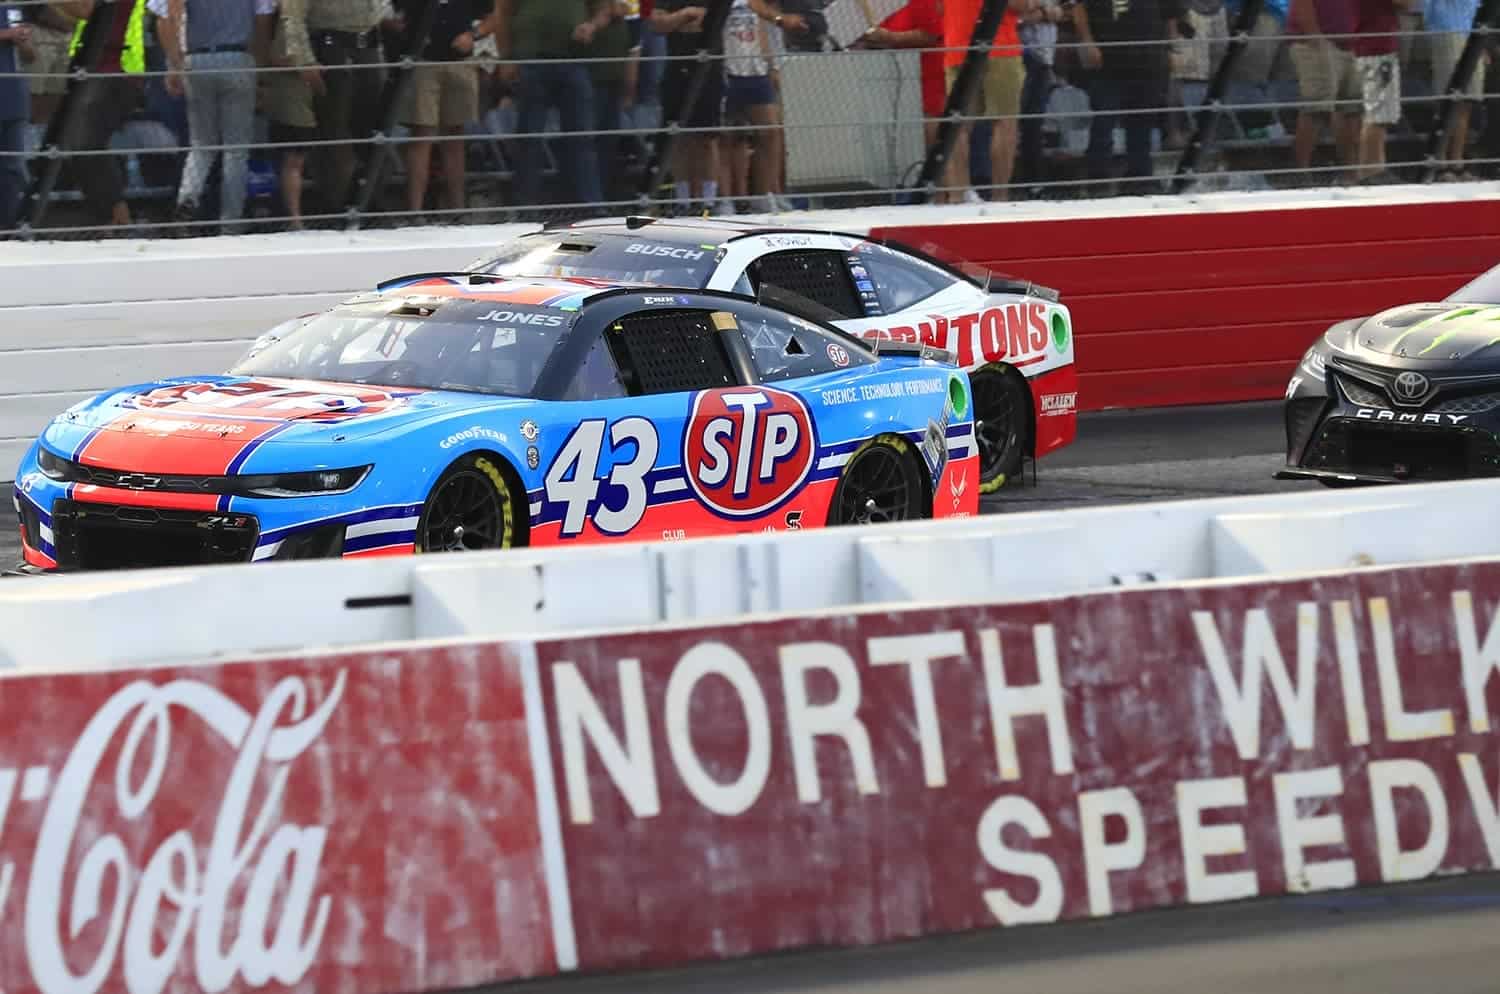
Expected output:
(618, 473)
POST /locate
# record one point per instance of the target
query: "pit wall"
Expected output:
(427, 816)
(1177, 300)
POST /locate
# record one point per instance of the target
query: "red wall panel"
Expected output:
(1201, 307)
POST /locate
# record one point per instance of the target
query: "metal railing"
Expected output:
(847, 123)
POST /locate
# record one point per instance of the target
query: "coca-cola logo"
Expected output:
(241, 903)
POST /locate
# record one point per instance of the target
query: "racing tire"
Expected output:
(473, 506)
(1002, 424)
(881, 482)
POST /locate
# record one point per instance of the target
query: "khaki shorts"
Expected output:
(1326, 73)
(289, 100)
(442, 96)
(999, 91)
(51, 56)
(1446, 49)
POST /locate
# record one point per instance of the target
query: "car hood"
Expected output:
(1438, 332)
(201, 425)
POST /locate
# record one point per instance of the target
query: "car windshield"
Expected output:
(1482, 289)
(607, 257)
(477, 346)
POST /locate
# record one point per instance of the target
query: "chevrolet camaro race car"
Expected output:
(1411, 393)
(457, 412)
(1014, 338)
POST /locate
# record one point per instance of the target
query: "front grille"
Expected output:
(1476, 403)
(31, 525)
(1362, 394)
(110, 536)
(1414, 452)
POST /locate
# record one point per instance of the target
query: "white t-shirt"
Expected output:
(751, 46)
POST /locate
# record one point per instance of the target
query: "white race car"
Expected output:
(1014, 338)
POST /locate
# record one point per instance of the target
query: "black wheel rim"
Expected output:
(464, 515)
(876, 488)
(997, 406)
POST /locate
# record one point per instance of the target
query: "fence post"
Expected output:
(82, 66)
(1463, 72)
(397, 85)
(1208, 112)
(709, 48)
(969, 73)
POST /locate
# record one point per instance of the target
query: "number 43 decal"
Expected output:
(572, 479)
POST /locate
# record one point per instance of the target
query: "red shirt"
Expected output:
(959, 18)
(925, 16)
(1376, 16)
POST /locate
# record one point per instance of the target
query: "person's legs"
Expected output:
(1313, 63)
(1033, 106)
(12, 169)
(109, 100)
(576, 112)
(534, 94)
(237, 125)
(1003, 80)
(458, 106)
(1104, 103)
(419, 112)
(203, 92)
(1381, 75)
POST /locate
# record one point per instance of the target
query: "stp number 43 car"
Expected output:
(1014, 338)
(449, 413)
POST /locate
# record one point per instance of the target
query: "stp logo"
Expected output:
(746, 451)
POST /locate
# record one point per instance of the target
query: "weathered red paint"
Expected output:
(1211, 306)
(1142, 713)
(420, 777)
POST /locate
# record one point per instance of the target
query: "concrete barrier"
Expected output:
(434, 816)
(176, 614)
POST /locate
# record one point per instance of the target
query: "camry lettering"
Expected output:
(1377, 414)
(668, 251)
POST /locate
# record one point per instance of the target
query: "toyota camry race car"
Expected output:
(457, 412)
(1014, 338)
(1411, 393)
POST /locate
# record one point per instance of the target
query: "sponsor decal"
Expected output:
(529, 430)
(468, 434)
(1059, 403)
(664, 300)
(786, 241)
(260, 398)
(838, 355)
(535, 319)
(1379, 414)
(842, 395)
(934, 447)
(958, 486)
(1409, 387)
(899, 388)
(1016, 333)
(533, 457)
(747, 451)
(674, 535)
(793, 521)
(665, 251)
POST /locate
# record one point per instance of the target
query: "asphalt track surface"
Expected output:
(1119, 457)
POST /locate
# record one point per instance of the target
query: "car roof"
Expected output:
(563, 293)
(687, 230)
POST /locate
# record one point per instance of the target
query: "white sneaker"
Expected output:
(971, 196)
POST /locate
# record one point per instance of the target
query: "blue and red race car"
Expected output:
(452, 412)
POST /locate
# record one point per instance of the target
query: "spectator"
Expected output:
(1327, 78)
(919, 25)
(1199, 44)
(1128, 78)
(51, 30)
(615, 83)
(1376, 55)
(694, 153)
(555, 33)
(442, 97)
(996, 95)
(15, 110)
(1257, 61)
(1038, 52)
(1454, 18)
(342, 36)
(107, 100)
(291, 125)
(213, 38)
(751, 84)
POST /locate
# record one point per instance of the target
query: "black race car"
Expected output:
(1409, 394)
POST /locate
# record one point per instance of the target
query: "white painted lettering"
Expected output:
(631, 767)
(1356, 717)
(1016, 810)
(1400, 725)
(1200, 841)
(1478, 662)
(1486, 805)
(1262, 655)
(1100, 857)
(918, 653)
(1386, 776)
(837, 718)
(1299, 833)
(1043, 698)
(717, 659)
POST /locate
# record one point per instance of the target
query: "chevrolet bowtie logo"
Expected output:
(135, 481)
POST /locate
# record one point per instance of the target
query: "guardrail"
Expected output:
(431, 816)
(167, 615)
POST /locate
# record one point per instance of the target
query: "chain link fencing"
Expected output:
(161, 118)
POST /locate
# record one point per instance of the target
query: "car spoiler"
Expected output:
(922, 350)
